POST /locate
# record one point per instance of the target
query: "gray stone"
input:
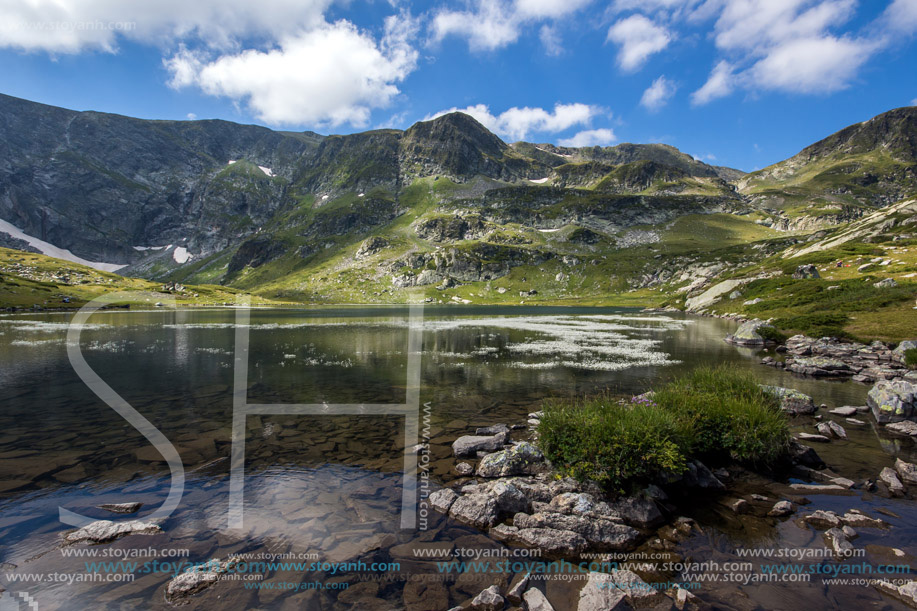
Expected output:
(464, 468)
(904, 427)
(478, 510)
(781, 509)
(536, 601)
(492, 430)
(907, 471)
(599, 594)
(552, 542)
(837, 539)
(900, 349)
(844, 411)
(488, 600)
(514, 596)
(811, 437)
(442, 500)
(887, 283)
(748, 333)
(892, 401)
(823, 520)
(198, 578)
(792, 401)
(638, 512)
(601, 534)
(806, 271)
(890, 478)
(521, 459)
(103, 531)
(470, 445)
(122, 507)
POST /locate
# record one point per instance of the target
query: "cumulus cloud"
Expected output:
(785, 46)
(719, 84)
(72, 26)
(638, 38)
(590, 137)
(329, 75)
(657, 95)
(517, 123)
(492, 24)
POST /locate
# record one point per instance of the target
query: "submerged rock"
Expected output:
(122, 507)
(198, 578)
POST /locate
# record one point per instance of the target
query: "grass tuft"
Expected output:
(713, 414)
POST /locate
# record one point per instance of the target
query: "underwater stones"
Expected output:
(198, 578)
(488, 600)
(121, 507)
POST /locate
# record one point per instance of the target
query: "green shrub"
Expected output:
(772, 334)
(910, 358)
(712, 414)
(823, 324)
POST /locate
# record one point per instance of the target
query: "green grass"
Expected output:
(910, 358)
(713, 414)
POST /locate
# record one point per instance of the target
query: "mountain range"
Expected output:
(445, 207)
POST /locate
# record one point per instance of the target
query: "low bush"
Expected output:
(714, 414)
(910, 358)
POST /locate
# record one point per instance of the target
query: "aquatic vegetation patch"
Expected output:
(714, 414)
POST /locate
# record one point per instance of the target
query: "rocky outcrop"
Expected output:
(834, 358)
(806, 271)
(521, 459)
(451, 229)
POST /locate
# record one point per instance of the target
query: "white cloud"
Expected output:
(591, 137)
(517, 123)
(550, 40)
(553, 9)
(191, 116)
(815, 65)
(720, 83)
(493, 24)
(914, 102)
(899, 17)
(784, 45)
(657, 95)
(329, 75)
(638, 38)
(71, 26)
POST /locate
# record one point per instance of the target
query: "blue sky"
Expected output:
(743, 83)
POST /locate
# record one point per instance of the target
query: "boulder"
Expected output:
(748, 333)
(887, 283)
(905, 427)
(197, 578)
(847, 410)
(442, 500)
(103, 531)
(553, 543)
(488, 600)
(478, 510)
(470, 445)
(792, 401)
(496, 429)
(890, 478)
(823, 520)
(514, 596)
(521, 459)
(907, 471)
(900, 349)
(806, 271)
(781, 509)
(837, 539)
(598, 594)
(601, 534)
(638, 512)
(892, 401)
(819, 367)
(536, 601)
(801, 454)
